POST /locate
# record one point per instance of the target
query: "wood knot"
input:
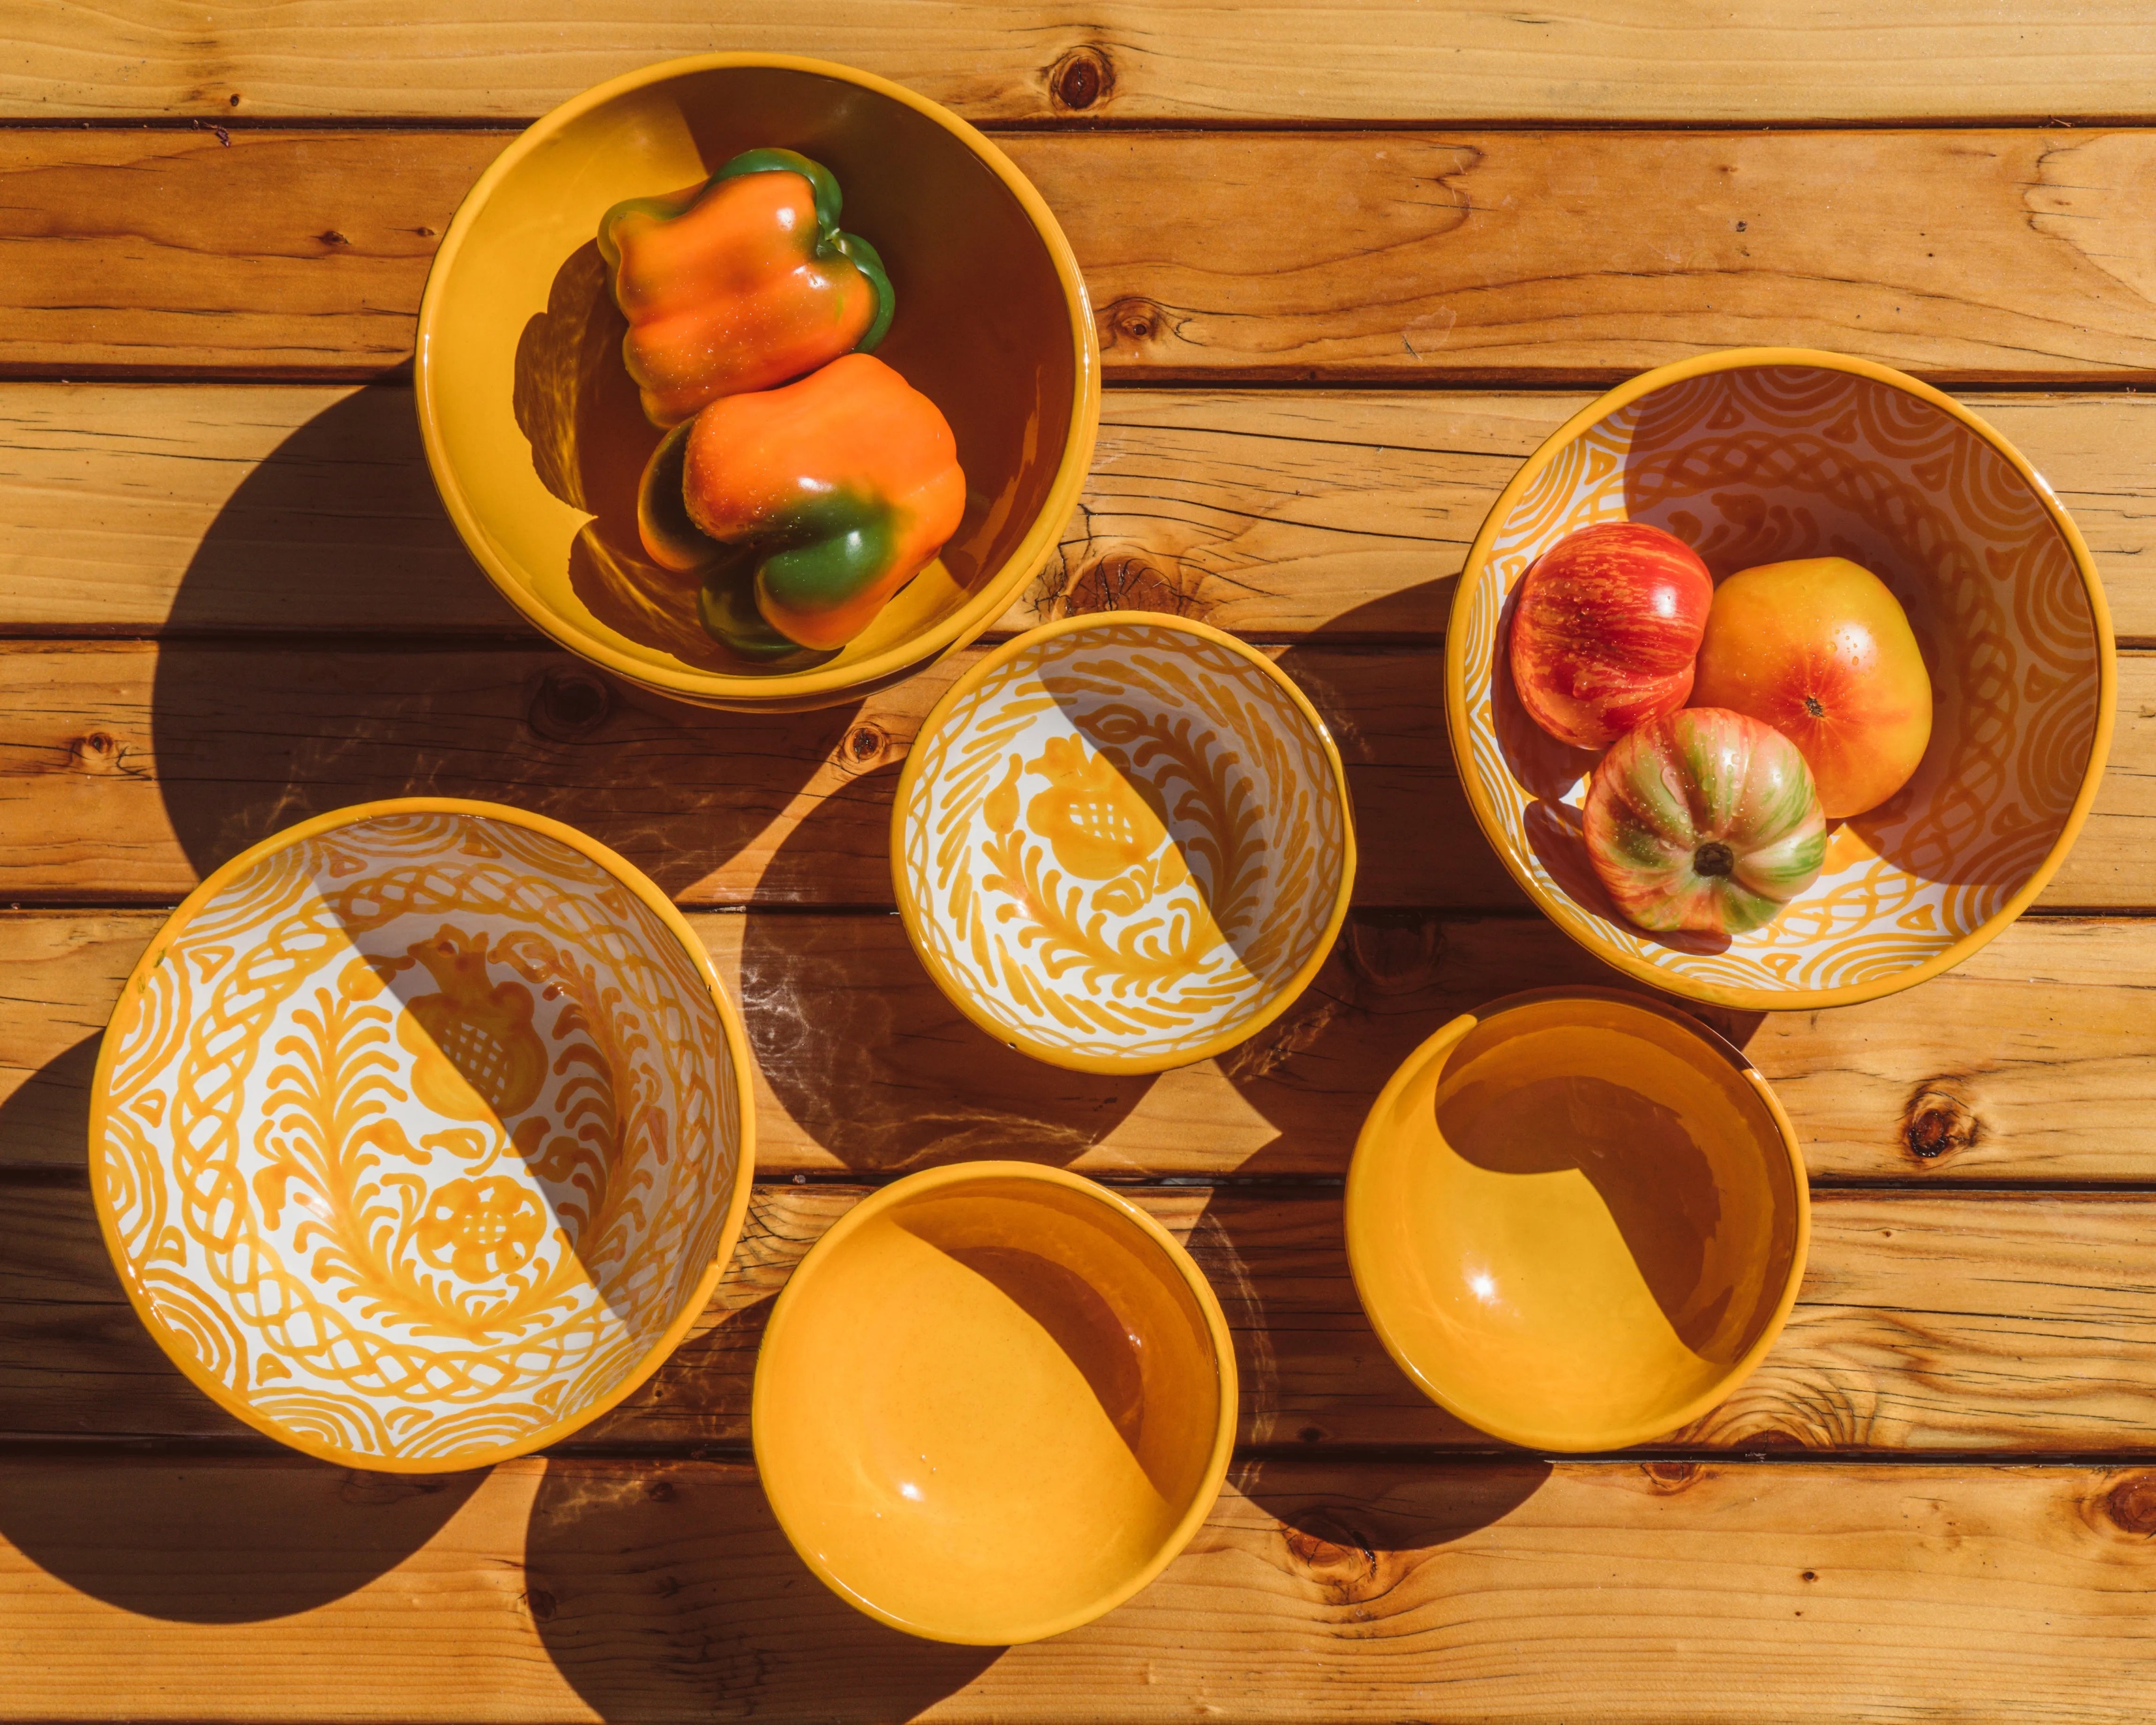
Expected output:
(862, 746)
(1131, 321)
(541, 1604)
(2131, 1504)
(569, 704)
(1394, 951)
(659, 1490)
(101, 753)
(330, 236)
(1335, 1556)
(1125, 583)
(1939, 1122)
(1668, 1478)
(1081, 80)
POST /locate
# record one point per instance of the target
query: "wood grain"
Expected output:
(143, 509)
(568, 1590)
(1422, 257)
(129, 769)
(1600, 60)
(2033, 1063)
(2023, 1324)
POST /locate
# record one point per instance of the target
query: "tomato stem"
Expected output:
(1713, 858)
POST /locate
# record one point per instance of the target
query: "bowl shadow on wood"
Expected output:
(432, 686)
(667, 1589)
(871, 1061)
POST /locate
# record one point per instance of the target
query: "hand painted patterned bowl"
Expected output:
(533, 427)
(1124, 842)
(1761, 454)
(1577, 1219)
(992, 1402)
(421, 1133)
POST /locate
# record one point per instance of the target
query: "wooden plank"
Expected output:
(2023, 1324)
(2035, 1062)
(1479, 255)
(570, 1589)
(140, 509)
(1600, 60)
(129, 769)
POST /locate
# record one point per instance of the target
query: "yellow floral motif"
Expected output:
(1096, 817)
(481, 1229)
(476, 1055)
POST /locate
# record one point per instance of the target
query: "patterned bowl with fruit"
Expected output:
(1787, 820)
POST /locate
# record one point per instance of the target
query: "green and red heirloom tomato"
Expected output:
(805, 508)
(740, 283)
(1704, 820)
(1605, 631)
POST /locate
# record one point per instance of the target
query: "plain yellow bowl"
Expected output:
(1124, 842)
(1757, 456)
(1577, 1219)
(421, 1133)
(992, 1402)
(532, 428)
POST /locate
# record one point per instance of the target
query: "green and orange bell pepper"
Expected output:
(805, 507)
(740, 283)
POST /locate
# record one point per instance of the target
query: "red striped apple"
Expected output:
(1606, 629)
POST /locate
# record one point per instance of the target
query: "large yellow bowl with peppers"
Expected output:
(537, 434)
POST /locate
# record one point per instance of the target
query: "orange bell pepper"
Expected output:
(740, 283)
(806, 507)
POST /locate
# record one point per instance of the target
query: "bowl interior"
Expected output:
(1123, 843)
(540, 431)
(986, 1407)
(1758, 464)
(419, 1135)
(1573, 1221)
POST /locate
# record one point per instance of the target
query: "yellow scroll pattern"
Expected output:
(1126, 841)
(419, 1135)
(1758, 465)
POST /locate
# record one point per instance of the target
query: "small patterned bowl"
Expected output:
(1756, 455)
(992, 1402)
(531, 424)
(421, 1134)
(1577, 1219)
(1124, 842)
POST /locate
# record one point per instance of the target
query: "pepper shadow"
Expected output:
(668, 1590)
(866, 1055)
(413, 678)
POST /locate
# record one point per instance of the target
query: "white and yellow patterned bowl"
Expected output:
(1122, 842)
(1756, 455)
(421, 1133)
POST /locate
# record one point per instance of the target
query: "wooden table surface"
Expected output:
(1352, 261)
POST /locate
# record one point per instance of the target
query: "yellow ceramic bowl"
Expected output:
(1577, 1220)
(421, 1133)
(1760, 454)
(532, 428)
(992, 1402)
(1124, 842)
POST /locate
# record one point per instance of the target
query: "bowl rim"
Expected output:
(104, 1199)
(1227, 1414)
(993, 596)
(1361, 1252)
(1727, 994)
(910, 912)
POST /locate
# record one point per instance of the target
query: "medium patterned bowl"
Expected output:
(1577, 1219)
(421, 1133)
(1122, 842)
(1759, 454)
(994, 1402)
(531, 424)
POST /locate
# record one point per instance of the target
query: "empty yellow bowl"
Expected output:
(1761, 454)
(1124, 842)
(421, 1133)
(992, 1402)
(1577, 1219)
(531, 425)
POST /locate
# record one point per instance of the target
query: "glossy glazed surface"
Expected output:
(421, 1133)
(992, 1402)
(1122, 842)
(1822, 650)
(1767, 454)
(1578, 1221)
(532, 424)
